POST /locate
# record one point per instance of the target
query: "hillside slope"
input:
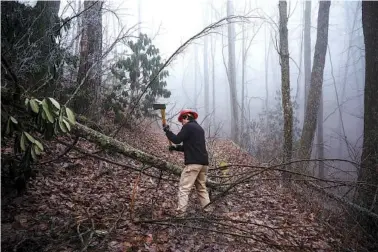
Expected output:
(80, 203)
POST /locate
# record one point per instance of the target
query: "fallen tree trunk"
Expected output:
(125, 149)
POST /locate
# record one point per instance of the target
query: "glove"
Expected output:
(166, 128)
(172, 148)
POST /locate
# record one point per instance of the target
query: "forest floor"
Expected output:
(81, 203)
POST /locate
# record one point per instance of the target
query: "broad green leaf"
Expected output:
(8, 130)
(46, 108)
(56, 129)
(43, 115)
(33, 154)
(13, 120)
(67, 124)
(22, 142)
(27, 102)
(37, 143)
(55, 103)
(30, 138)
(37, 150)
(62, 126)
(70, 116)
(34, 106)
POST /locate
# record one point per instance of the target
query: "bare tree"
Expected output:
(244, 61)
(319, 132)
(319, 139)
(212, 49)
(195, 76)
(314, 94)
(298, 94)
(213, 45)
(285, 85)
(206, 77)
(341, 128)
(232, 76)
(267, 52)
(77, 28)
(307, 49)
(90, 57)
(368, 173)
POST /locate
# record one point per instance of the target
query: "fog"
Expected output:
(170, 23)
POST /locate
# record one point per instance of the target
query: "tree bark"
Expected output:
(319, 133)
(267, 52)
(298, 94)
(77, 26)
(206, 82)
(213, 47)
(48, 28)
(232, 76)
(195, 75)
(285, 86)
(312, 105)
(320, 140)
(90, 55)
(307, 50)
(368, 173)
(244, 60)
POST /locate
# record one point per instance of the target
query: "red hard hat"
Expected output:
(187, 111)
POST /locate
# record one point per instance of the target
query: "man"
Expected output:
(196, 159)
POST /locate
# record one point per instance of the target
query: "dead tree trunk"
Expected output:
(312, 105)
(368, 173)
(285, 86)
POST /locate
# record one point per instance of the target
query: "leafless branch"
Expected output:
(179, 50)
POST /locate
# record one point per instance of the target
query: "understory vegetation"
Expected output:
(85, 164)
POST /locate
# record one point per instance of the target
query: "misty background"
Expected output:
(285, 91)
(170, 23)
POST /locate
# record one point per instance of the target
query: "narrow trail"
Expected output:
(81, 203)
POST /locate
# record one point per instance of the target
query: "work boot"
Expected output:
(208, 209)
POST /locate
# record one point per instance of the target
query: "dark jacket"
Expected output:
(193, 138)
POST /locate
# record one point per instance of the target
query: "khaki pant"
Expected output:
(192, 174)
